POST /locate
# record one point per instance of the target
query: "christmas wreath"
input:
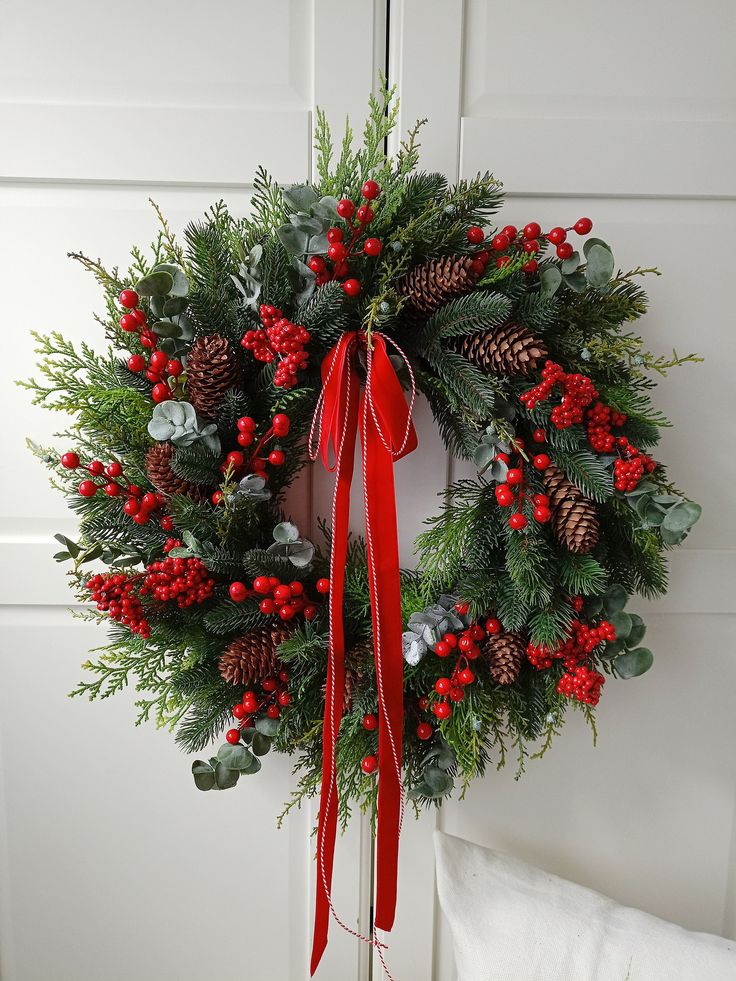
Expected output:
(325, 312)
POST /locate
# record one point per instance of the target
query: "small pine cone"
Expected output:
(436, 281)
(507, 350)
(504, 653)
(163, 478)
(252, 657)
(574, 516)
(212, 369)
(354, 673)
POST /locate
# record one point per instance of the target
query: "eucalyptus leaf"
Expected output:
(550, 279)
(174, 305)
(236, 757)
(204, 775)
(613, 648)
(638, 629)
(269, 727)
(254, 766)
(682, 516)
(439, 782)
(225, 778)
(61, 556)
(654, 515)
(306, 224)
(615, 599)
(300, 197)
(633, 663)
(570, 264)
(166, 328)
(180, 283)
(600, 265)
(590, 242)
(421, 790)
(180, 553)
(622, 624)
(672, 537)
(292, 239)
(155, 284)
(157, 305)
(483, 455)
(317, 245)
(325, 208)
(576, 281)
(285, 532)
(261, 743)
(499, 470)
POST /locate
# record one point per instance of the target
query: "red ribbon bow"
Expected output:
(386, 434)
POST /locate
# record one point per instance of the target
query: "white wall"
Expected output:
(111, 866)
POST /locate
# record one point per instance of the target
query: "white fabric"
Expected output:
(513, 922)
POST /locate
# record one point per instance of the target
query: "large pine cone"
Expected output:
(212, 369)
(436, 281)
(252, 657)
(163, 478)
(504, 654)
(574, 516)
(507, 350)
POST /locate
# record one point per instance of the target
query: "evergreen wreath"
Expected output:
(187, 443)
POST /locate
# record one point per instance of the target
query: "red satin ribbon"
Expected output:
(387, 434)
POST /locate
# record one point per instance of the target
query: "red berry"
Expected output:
(442, 710)
(267, 606)
(142, 518)
(310, 612)
(70, 460)
(139, 316)
(262, 585)
(129, 323)
(541, 462)
(514, 476)
(370, 721)
(269, 684)
(423, 703)
(510, 231)
(502, 261)
(531, 247)
(466, 677)
(334, 235)
(517, 521)
(287, 611)
(235, 459)
(112, 490)
(475, 235)
(136, 362)
(345, 208)
(238, 591)
(532, 230)
(88, 488)
(462, 607)
(504, 495)
(530, 267)
(322, 586)
(424, 731)
(317, 264)
(370, 190)
(557, 235)
(174, 367)
(149, 501)
(113, 469)
(442, 686)
(282, 593)
(500, 242)
(369, 764)
(372, 246)
(96, 468)
(167, 523)
(239, 711)
(539, 436)
(465, 643)
(442, 648)
(493, 626)
(160, 392)
(337, 252)
(131, 506)
(351, 287)
(284, 699)
(456, 694)
(450, 639)
(280, 424)
(129, 299)
(158, 360)
(273, 712)
(276, 457)
(233, 736)
(564, 251)
(583, 226)
(365, 214)
(246, 424)
(542, 514)
(217, 497)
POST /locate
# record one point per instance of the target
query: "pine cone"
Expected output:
(507, 350)
(436, 281)
(574, 516)
(504, 653)
(252, 657)
(355, 660)
(163, 478)
(212, 369)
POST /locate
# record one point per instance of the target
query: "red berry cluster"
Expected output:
(575, 653)
(464, 647)
(274, 696)
(513, 490)
(510, 240)
(339, 251)
(139, 505)
(285, 600)
(114, 594)
(135, 321)
(577, 393)
(583, 683)
(185, 580)
(161, 370)
(281, 338)
(241, 463)
(632, 463)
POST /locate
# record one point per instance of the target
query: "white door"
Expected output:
(623, 112)
(111, 865)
